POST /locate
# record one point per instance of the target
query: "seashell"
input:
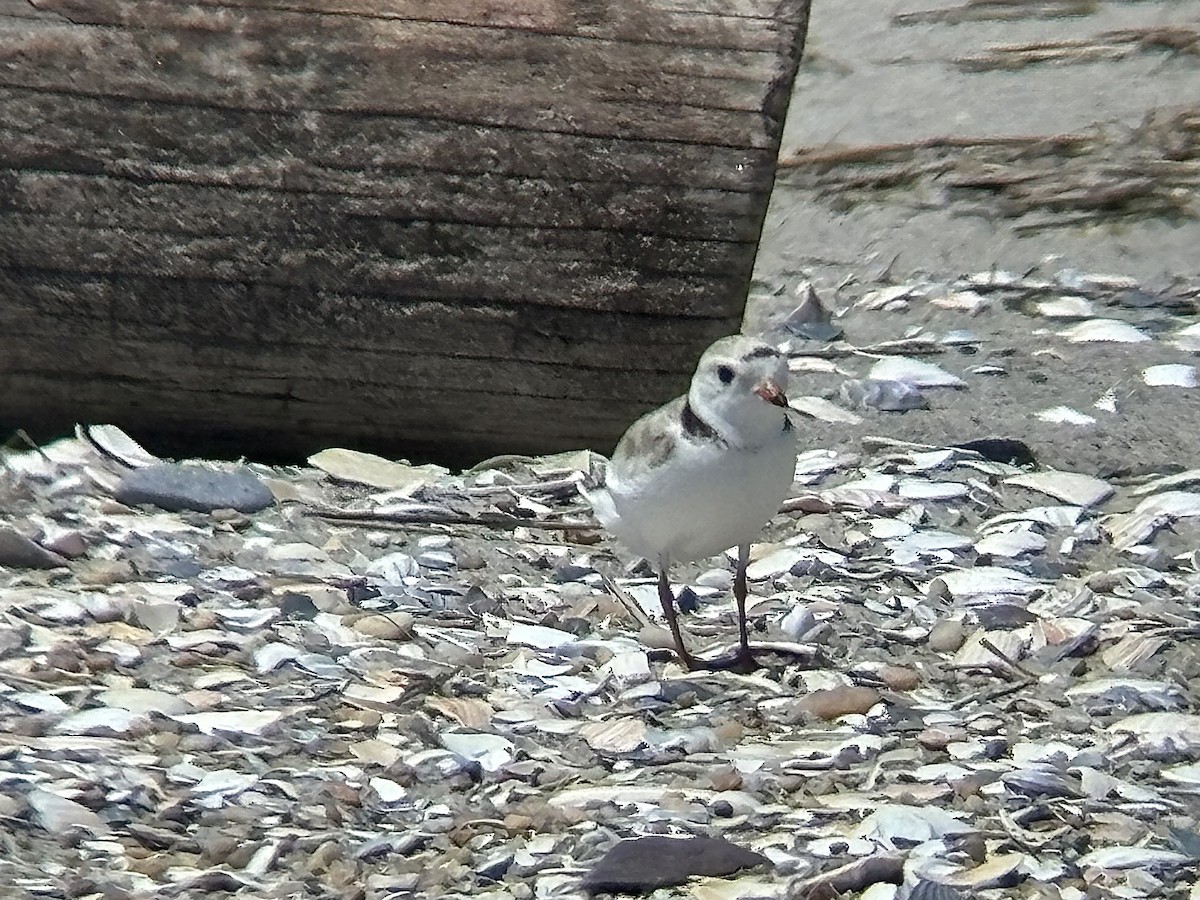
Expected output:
(983, 581)
(1162, 734)
(1064, 415)
(1107, 402)
(491, 751)
(1011, 544)
(1053, 516)
(923, 489)
(969, 302)
(883, 297)
(1143, 858)
(909, 825)
(1067, 307)
(1131, 651)
(1104, 330)
(622, 735)
(1185, 774)
(541, 637)
(1074, 488)
(915, 372)
(974, 655)
(822, 409)
(1004, 870)
(886, 396)
(1123, 695)
(356, 467)
(1187, 338)
(1073, 279)
(1169, 482)
(1171, 375)
(1157, 511)
(111, 441)
(960, 338)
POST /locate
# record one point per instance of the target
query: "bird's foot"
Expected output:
(741, 661)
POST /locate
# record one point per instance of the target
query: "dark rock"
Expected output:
(19, 552)
(576, 625)
(1184, 840)
(495, 868)
(850, 878)
(176, 487)
(641, 865)
(296, 607)
(931, 890)
(1001, 450)
(571, 572)
(687, 600)
(178, 569)
(361, 592)
(1004, 616)
(69, 544)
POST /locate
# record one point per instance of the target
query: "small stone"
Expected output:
(69, 544)
(515, 824)
(840, 701)
(60, 815)
(103, 572)
(175, 487)
(157, 616)
(947, 636)
(938, 737)
(19, 552)
(439, 560)
(656, 638)
(323, 857)
(395, 626)
(1105, 582)
(900, 678)
(726, 778)
(640, 865)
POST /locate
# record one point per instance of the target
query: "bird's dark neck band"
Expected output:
(694, 426)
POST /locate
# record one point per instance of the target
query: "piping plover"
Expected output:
(704, 472)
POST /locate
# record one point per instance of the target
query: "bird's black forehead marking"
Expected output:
(760, 353)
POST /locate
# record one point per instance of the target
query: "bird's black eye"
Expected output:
(725, 373)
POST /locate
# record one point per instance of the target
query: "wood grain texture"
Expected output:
(441, 228)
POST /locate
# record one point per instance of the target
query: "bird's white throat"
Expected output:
(741, 421)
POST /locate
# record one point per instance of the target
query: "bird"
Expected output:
(703, 473)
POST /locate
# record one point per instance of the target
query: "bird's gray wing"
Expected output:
(648, 444)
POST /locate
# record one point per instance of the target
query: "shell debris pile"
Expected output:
(367, 679)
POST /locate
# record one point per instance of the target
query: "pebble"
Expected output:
(938, 737)
(69, 544)
(947, 636)
(640, 865)
(656, 638)
(175, 487)
(397, 626)
(900, 678)
(831, 703)
(19, 552)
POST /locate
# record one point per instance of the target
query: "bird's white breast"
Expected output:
(707, 498)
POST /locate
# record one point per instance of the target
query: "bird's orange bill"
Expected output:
(770, 392)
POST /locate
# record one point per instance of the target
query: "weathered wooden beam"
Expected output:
(423, 226)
